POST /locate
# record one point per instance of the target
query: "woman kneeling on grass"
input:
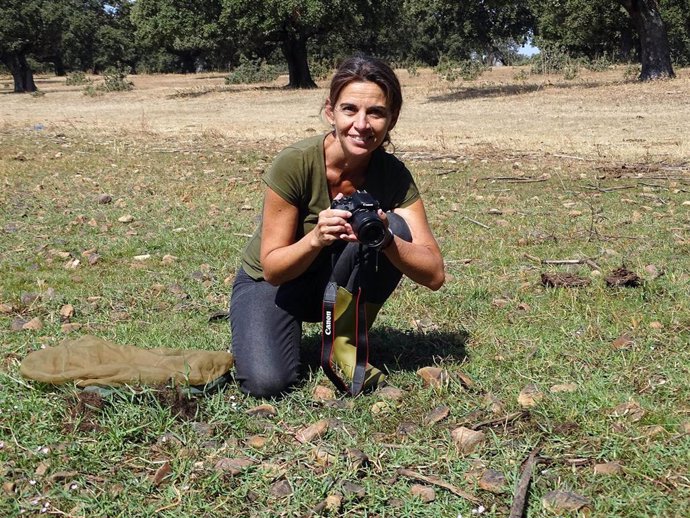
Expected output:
(302, 242)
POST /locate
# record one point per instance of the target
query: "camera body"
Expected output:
(365, 220)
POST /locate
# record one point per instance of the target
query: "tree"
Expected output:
(291, 25)
(20, 29)
(462, 30)
(187, 29)
(655, 53)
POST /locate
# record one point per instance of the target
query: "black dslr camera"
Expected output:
(365, 220)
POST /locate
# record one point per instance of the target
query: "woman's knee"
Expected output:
(399, 226)
(267, 383)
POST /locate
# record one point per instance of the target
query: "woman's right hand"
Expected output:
(331, 226)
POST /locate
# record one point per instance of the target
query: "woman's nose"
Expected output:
(361, 121)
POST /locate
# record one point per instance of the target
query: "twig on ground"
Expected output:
(476, 222)
(436, 481)
(500, 420)
(609, 189)
(520, 499)
(563, 261)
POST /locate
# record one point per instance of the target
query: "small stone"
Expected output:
(66, 312)
(104, 199)
(333, 503)
(128, 218)
(141, 258)
(281, 489)
(70, 327)
(493, 481)
(323, 393)
(390, 392)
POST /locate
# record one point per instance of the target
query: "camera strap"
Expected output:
(360, 335)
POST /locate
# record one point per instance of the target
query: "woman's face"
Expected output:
(360, 117)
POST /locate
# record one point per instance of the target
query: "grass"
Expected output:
(494, 321)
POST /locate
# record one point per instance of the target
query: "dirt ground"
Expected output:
(596, 116)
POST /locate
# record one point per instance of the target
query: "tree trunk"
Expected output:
(655, 53)
(21, 73)
(295, 52)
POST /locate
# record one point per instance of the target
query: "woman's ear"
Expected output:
(328, 112)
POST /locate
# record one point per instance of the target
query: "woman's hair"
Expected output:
(367, 68)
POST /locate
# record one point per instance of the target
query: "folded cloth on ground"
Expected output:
(90, 360)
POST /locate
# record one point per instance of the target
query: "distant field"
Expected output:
(594, 116)
(563, 212)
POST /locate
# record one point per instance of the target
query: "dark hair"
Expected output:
(367, 68)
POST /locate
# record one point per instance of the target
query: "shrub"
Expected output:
(321, 69)
(115, 80)
(252, 71)
(77, 78)
(451, 70)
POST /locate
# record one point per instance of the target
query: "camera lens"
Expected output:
(369, 228)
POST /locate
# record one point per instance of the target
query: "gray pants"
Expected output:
(266, 321)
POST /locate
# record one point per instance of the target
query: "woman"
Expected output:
(302, 241)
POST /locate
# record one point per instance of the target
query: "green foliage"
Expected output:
(252, 71)
(114, 80)
(77, 79)
(552, 59)
(467, 69)
(321, 69)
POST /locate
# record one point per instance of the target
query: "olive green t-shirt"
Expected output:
(298, 175)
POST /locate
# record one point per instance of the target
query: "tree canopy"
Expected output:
(188, 36)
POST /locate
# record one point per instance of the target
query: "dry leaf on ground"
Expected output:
(437, 414)
(311, 432)
(161, 474)
(281, 489)
(493, 481)
(631, 410)
(467, 440)
(233, 466)
(563, 387)
(530, 396)
(559, 501)
(264, 410)
(433, 376)
(608, 468)
(425, 493)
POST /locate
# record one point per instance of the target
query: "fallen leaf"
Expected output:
(18, 324)
(493, 481)
(425, 493)
(656, 325)
(530, 396)
(256, 441)
(623, 277)
(558, 501)
(353, 490)
(356, 458)
(314, 431)
(33, 325)
(8, 487)
(563, 387)
(333, 503)
(433, 376)
(631, 410)
(323, 393)
(608, 468)
(467, 440)
(70, 327)
(233, 466)
(497, 406)
(128, 218)
(390, 392)
(143, 257)
(66, 312)
(465, 380)
(381, 407)
(281, 489)
(653, 272)
(500, 303)
(624, 341)
(437, 414)
(264, 410)
(406, 428)
(6, 309)
(324, 456)
(168, 259)
(42, 468)
(161, 474)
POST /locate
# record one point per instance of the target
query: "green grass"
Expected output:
(198, 199)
